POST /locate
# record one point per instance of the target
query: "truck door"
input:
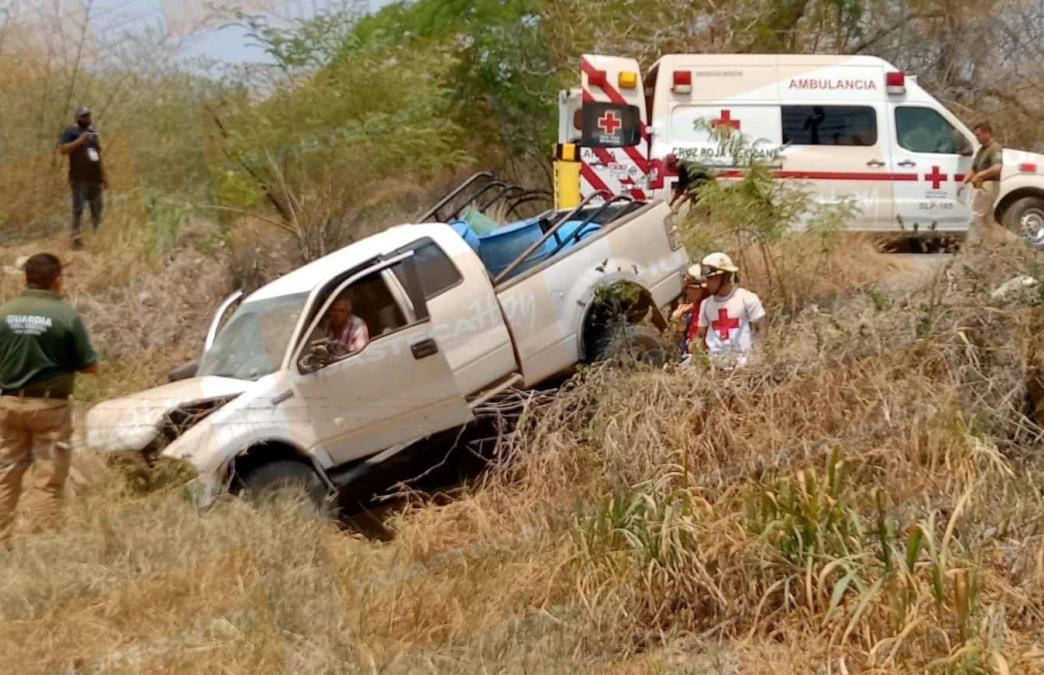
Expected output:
(449, 279)
(930, 158)
(217, 323)
(614, 138)
(221, 316)
(390, 386)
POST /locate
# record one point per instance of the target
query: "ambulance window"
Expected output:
(610, 125)
(925, 130)
(829, 125)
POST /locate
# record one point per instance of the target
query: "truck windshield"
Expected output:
(255, 339)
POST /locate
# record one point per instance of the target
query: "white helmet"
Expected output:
(695, 271)
(716, 263)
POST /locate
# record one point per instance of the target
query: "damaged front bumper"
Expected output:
(135, 433)
(146, 472)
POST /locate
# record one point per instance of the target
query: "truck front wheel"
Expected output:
(283, 476)
(1026, 216)
(630, 343)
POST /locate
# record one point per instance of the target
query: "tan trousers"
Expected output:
(984, 229)
(33, 432)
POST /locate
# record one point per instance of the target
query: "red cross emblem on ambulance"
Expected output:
(723, 324)
(725, 122)
(936, 177)
(609, 122)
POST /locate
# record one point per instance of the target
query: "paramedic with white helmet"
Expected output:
(732, 320)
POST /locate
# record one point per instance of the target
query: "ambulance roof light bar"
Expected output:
(895, 83)
(682, 83)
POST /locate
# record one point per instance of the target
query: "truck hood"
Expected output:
(130, 423)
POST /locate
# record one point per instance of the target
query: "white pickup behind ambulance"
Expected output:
(852, 127)
(457, 313)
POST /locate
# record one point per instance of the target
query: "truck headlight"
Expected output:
(674, 238)
(179, 420)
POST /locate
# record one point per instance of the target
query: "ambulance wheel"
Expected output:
(1026, 216)
(281, 477)
(630, 343)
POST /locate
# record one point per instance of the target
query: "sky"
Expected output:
(223, 43)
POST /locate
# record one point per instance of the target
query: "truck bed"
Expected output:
(545, 296)
(499, 247)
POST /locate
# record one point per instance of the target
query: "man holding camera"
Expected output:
(86, 174)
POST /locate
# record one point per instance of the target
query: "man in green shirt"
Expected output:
(985, 178)
(42, 346)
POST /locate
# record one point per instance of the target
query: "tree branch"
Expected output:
(278, 205)
(1005, 96)
(882, 33)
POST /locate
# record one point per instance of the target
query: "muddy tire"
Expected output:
(1025, 217)
(271, 479)
(629, 344)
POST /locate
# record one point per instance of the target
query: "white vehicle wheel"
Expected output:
(281, 476)
(1027, 216)
(631, 343)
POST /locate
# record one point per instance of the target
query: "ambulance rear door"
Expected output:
(569, 122)
(614, 137)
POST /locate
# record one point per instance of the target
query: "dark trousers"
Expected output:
(83, 194)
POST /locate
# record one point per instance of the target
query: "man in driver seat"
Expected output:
(346, 331)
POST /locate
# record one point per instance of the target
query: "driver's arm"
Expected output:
(360, 336)
(324, 340)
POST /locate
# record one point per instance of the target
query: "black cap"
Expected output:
(83, 110)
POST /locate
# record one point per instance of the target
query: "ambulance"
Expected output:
(851, 128)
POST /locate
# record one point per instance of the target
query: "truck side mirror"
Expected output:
(184, 372)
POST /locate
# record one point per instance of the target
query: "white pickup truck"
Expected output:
(456, 313)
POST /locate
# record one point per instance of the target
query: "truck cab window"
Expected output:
(925, 130)
(358, 314)
(829, 125)
(425, 274)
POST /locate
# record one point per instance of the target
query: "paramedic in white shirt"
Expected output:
(732, 320)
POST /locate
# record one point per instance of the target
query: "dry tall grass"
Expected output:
(865, 499)
(146, 303)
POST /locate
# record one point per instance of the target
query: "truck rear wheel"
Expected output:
(283, 476)
(1026, 217)
(630, 343)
